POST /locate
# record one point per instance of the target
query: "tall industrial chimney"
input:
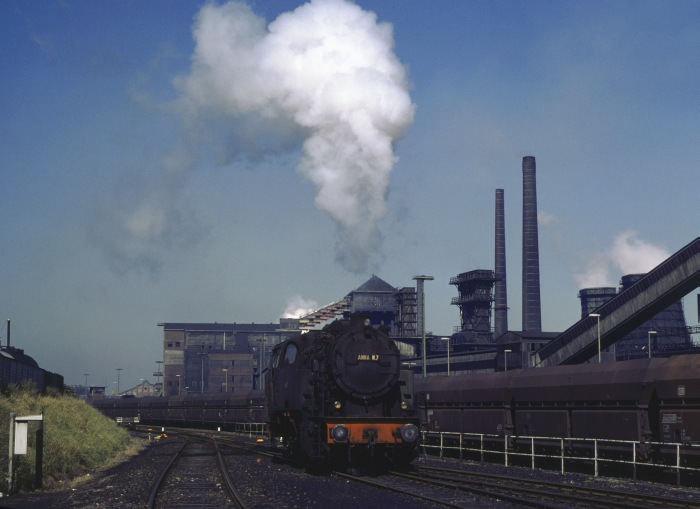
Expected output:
(500, 308)
(532, 314)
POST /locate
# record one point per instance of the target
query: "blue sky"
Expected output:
(134, 191)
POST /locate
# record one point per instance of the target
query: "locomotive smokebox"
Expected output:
(363, 366)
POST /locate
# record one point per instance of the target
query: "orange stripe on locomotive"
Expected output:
(359, 433)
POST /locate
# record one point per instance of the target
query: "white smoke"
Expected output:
(627, 255)
(298, 307)
(329, 69)
(546, 219)
(635, 256)
(142, 217)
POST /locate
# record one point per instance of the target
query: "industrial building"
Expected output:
(667, 332)
(228, 357)
(218, 357)
(16, 367)
(142, 390)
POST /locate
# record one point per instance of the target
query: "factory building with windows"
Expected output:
(228, 357)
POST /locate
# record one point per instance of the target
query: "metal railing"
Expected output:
(250, 429)
(544, 452)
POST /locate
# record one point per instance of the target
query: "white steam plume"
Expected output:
(328, 67)
(298, 307)
(627, 255)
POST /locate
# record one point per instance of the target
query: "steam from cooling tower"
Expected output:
(327, 69)
(634, 255)
(628, 255)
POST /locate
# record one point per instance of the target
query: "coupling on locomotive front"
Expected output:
(339, 395)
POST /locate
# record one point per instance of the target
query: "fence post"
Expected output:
(482, 447)
(505, 447)
(532, 451)
(38, 469)
(595, 448)
(460, 445)
(561, 445)
(441, 435)
(634, 461)
(11, 454)
(678, 464)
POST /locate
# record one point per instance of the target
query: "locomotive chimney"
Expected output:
(500, 314)
(532, 316)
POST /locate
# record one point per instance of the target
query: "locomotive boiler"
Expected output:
(339, 395)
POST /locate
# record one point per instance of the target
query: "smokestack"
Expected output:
(500, 308)
(532, 314)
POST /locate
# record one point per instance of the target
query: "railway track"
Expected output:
(196, 476)
(440, 486)
(460, 489)
(539, 493)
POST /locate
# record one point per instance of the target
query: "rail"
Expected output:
(563, 451)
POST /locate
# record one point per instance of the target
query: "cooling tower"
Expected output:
(592, 298)
(500, 308)
(671, 332)
(670, 325)
(532, 314)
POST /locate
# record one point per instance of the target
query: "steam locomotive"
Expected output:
(339, 395)
(333, 396)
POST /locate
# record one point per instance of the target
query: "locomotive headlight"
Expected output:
(340, 433)
(409, 433)
(404, 405)
(337, 405)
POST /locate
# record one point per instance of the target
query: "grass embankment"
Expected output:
(77, 438)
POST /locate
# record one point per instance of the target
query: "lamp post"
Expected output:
(505, 358)
(421, 309)
(118, 373)
(596, 315)
(649, 339)
(448, 354)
